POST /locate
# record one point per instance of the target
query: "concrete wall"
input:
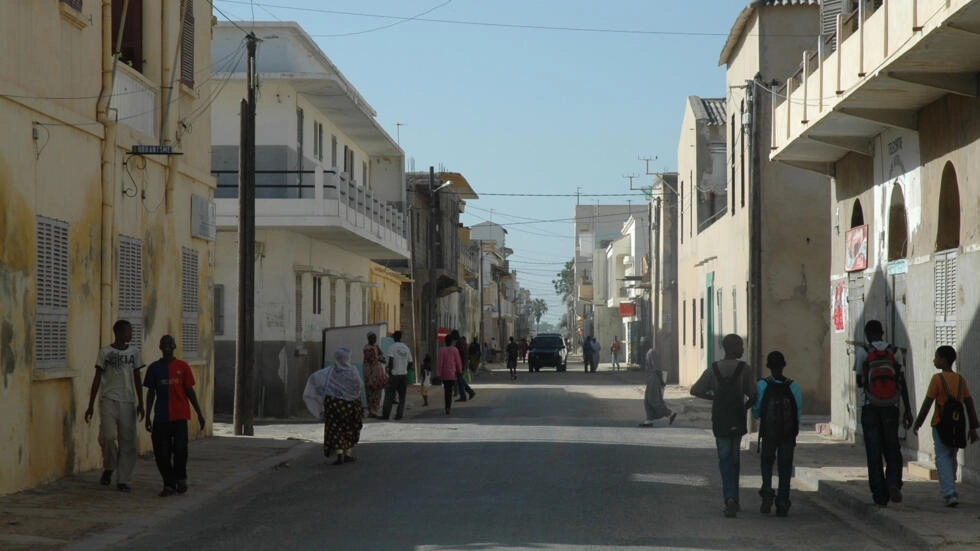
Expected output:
(54, 170)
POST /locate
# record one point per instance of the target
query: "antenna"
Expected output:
(630, 177)
(648, 160)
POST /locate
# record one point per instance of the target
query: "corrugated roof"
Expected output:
(740, 22)
(714, 108)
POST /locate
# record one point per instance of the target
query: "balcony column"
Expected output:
(806, 85)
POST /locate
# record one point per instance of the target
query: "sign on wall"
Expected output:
(856, 253)
(627, 309)
(838, 304)
(203, 217)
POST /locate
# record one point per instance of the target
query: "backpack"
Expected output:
(728, 404)
(779, 423)
(952, 417)
(881, 377)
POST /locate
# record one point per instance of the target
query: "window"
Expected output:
(681, 208)
(131, 48)
(333, 302)
(130, 278)
(741, 160)
(364, 174)
(350, 163)
(346, 159)
(51, 301)
(734, 310)
(317, 295)
(721, 312)
(945, 298)
(731, 161)
(299, 307)
(683, 323)
(702, 324)
(188, 288)
(347, 292)
(186, 43)
(694, 322)
(219, 309)
(333, 151)
(319, 141)
(364, 304)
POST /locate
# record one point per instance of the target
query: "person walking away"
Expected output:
(614, 352)
(524, 347)
(513, 350)
(882, 380)
(779, 407)
(399, 362)
(375, 376)
(728, 384)
(949, 434)
(653, 397)
(449, 366)
(333, 395)
(169, 384)
(596, 350)
(463, 388)
(473, 355)
(117, 373)
(426, 376)
(587, 353)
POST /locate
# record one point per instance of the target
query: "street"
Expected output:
(551, 461)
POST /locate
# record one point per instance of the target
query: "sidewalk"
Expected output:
(77, 513)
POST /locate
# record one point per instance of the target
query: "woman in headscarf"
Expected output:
(448, 367)
(375, 376)
(339, 389)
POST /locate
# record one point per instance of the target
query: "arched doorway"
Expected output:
(897, 251)
(857, 214)
(898, 232)
(945, 262)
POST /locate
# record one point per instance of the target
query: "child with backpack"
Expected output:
(730, 386)
(882, 380)
(949, 432)
(778, 407)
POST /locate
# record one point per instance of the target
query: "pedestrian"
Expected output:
(596, 350)
(117, 372)
(614, 352)
(426, 376)
(399, 363)
(512, 352)
(524, 347)
(882, 379)
(653, 397)
(375, 376)
(463, 388)
(474, 354)
(333, 395)
(587, 353)
(448, 367)
(779, 407)
(169, 383)
(949, 391)
(729, 384)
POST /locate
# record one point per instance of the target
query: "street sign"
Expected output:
(441, 334)
(140, 149)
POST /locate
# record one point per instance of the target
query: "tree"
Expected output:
(565, 284)
(538, 308)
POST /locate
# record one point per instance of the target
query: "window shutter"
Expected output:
(130, 277)
(829, 9)
(187, 43)
(946, 297)
(51, 302)
(189, 276)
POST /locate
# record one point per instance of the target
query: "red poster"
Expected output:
(856, 251)
(839, 305)
(627, 309)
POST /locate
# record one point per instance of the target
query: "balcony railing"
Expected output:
(318, 192)
(864, 41)
(134, 101)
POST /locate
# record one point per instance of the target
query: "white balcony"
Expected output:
(888, 65)
(323, 206)
(134, 100)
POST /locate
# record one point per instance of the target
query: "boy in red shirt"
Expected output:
(170, 383)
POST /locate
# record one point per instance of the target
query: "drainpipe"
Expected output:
(168, 73)
(109, 62)
(755, 232)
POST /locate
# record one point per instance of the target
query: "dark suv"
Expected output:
(547, 350)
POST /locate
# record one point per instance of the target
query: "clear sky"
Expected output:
(524, 96)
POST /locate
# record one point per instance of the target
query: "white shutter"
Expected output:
(51, 301)
(189, 289)
(299, 306)
(946, 297)
(829, 9)
(129, 267)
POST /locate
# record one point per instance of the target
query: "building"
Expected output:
(751, 268)
(500, 287)
(95, 228)
(623, 276)
(663, 271)
(596, 227)
(885, 109)
(330, 206)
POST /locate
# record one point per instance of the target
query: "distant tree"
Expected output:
(565, 284)
(538, 309)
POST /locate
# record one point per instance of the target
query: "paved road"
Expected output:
(551, 461)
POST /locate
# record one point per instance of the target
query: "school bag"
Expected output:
(728, 404)
(952, 417)
(778, 413)
(881, 376)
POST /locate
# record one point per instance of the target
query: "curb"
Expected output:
(120, 533)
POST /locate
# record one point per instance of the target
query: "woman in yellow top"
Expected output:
(943, 385)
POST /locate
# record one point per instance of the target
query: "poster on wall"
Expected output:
(838, 301)
(856, 252)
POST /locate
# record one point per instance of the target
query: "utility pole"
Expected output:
(245, 365)
(655, 284)
(434, 229)
(482, 329)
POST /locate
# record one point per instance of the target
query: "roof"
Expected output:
(711, 109)
(738, 28)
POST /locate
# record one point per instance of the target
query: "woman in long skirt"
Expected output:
(338, 389)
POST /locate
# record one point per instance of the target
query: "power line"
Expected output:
(390, 25)
(230, 20)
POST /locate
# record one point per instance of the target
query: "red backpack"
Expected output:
(881, 376)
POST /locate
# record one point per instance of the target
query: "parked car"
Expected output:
(547, 350)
